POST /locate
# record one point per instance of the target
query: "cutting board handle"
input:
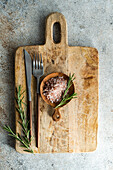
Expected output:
(50, 21)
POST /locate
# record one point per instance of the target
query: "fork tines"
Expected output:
(37, 61)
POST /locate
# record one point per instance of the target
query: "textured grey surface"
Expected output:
(90, 23)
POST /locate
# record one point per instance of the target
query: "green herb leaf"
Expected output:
(24, 140)
(31, 151)
(66, 96)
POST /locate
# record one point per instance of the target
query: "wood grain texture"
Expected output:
(30, 116)
(38, 121)
(77, 129)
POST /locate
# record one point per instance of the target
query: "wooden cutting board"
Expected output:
(77, 129)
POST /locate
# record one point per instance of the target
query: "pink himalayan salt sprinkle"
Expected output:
(54, 89)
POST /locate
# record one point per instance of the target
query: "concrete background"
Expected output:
(90, 23)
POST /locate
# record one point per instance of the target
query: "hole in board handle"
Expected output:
(56, 32)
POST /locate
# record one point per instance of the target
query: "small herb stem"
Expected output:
(24, 140)
(66, 96)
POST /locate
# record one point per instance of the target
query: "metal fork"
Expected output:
(38, 71)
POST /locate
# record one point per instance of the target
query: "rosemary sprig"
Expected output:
(66, 96)
(24, 139)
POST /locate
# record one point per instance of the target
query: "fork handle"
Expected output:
(30, 117)
(38, 121)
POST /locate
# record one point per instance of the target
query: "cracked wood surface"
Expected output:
(77, 129)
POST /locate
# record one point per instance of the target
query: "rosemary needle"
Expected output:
(66, 96)
(24, 139)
